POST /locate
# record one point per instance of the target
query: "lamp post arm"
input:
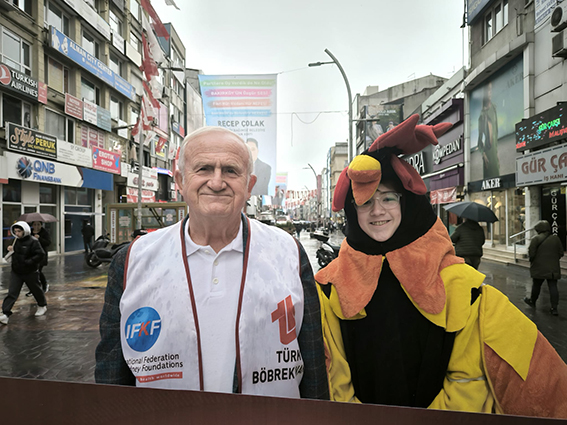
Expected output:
(349, 103)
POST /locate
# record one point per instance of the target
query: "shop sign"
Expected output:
(91, 137)
(489, 184)
(42, 92)
(118, 42)
(74, 154)
(148, 182)
(18, 82)
(81, 57)
(24, 167)
(90, 112)
(178, 128)
(417, 162)
(26, 140)
(444, 196)
(474, 8)
(73, 106)
(104, 160)
(103, 119)
(147, 195)
(439, 152)
(545, 166)
(542, 129)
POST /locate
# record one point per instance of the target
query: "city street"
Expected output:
(60, 345)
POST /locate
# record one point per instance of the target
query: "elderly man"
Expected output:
(217, 302)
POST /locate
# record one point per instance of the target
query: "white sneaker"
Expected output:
(41, 310)
(3, 319)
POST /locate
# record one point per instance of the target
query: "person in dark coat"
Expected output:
(88, 233)
(544, 251)
(468, 239)
(42, 235)
(26, 258)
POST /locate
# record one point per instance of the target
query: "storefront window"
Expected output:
(12, 192)
(482, 198)
(498, 204)
(83, 197)
(70, 196)
(517, 215)
(47, 194)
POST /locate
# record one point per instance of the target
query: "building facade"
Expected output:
(70, 91)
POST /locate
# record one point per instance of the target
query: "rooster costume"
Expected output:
(407, 323)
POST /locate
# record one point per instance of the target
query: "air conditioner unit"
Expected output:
(559, 17)
(559, 45)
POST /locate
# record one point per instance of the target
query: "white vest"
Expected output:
(159, 325)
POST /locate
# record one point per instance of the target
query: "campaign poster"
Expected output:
(247, 105)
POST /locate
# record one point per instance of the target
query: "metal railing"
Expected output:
(516, 241)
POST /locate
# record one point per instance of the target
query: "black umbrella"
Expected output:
(472, 210)
(35, 216)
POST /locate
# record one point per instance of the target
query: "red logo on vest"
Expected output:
(285, 313)
(5, 75)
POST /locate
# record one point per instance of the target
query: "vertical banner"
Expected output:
(247, 105)
(281, 188)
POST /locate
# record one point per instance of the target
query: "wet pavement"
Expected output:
(60, 345)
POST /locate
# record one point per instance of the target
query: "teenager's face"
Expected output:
(381, 216)
(18, 232)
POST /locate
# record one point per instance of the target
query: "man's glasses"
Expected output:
(387, 200)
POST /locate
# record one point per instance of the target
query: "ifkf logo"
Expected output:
(142, 329)
(285, 313)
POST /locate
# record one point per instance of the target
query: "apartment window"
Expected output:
(15, 111)
(24, 5)
(115, 23)
(116, 108)
(90, 91)
(135, 9)
(135, 42)
(495, 19)
(134, 114)
(115, 64)
(15, 52)
(59, 126)
(55, 17)
(56, 75)
(176, 58)
(90, 44)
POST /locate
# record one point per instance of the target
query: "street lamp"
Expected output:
(336, 62)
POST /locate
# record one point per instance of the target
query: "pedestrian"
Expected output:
(544, 251)
(217, 302)
(26, 258)
(88, 233)
(468, 239)
(42, 235)
(405, 321)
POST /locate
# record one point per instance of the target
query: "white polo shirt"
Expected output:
(216, 282)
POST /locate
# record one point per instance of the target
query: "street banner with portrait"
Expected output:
(247, 105)
(495, 108)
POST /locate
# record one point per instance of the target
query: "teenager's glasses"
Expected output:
(387, 200)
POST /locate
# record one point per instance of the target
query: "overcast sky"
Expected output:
(377, 42)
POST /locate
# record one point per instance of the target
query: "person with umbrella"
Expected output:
(468, 239)
(405, 321)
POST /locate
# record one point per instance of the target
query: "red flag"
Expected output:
(160, 144)
(149, 66)
(158, 26)
(151, 97)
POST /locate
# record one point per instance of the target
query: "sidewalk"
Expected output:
(60, 345)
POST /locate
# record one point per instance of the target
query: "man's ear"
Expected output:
(251, 184)
(178, 179)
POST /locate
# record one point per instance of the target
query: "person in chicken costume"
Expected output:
(405, 321)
